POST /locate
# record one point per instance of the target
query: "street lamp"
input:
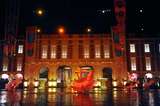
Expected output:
(88, 30)
(38, 30)
(40, 12)
(61, 30)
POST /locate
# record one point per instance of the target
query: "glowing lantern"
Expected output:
(39, 12)
(133, 76)
(61, 30)
(88, 30)
(5, 76)
(149, 75)
(38, 30)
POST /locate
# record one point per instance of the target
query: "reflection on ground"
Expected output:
(61, 97)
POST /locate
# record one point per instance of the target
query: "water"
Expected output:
(56, 97)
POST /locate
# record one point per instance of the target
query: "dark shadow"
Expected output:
(107, 74)
(64, 75)
(43, 77)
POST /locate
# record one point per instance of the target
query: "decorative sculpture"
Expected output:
(13, 83)
(85, 81)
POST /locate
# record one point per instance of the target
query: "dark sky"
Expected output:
(76, 15)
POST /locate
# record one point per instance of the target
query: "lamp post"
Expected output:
(38, 30)
(39, 12)
(61, 30)
(89, 30)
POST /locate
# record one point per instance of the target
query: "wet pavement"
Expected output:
(60, 97)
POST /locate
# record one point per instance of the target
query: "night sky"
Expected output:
(76, 15)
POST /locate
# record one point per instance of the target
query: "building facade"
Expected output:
(143, 56)
(56, 60)
(60, 56)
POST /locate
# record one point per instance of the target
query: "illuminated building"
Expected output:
(42, 58)
(57, 58)
(143, 56)
(54, 60)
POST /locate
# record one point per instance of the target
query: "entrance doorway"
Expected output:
(64, 74)
(43, 77)
(107, 75)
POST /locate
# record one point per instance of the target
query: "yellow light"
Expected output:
(124, 83)
(88, 29)
(115, 93)
(24, 92)
(40, 12)
(49, 83)
(61, 30)
(114, 83)
(38, 30)
(25, 83)
(97, 84)
(51, 89)
(52, 83)
(96, 90)
(24, 96)
(36, 83)
(35, 96)
(35, 90)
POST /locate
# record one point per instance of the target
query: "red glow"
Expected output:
(61, 30)
(83, 100)
(11, 85)
(84, 84)
(133, 76)
(149, 83)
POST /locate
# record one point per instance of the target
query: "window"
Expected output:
(5, 67)
(20, 48)
(19, 67)
(148, 63)
(64, 51)
(53, 51)
(146, 48)
(97, 51)
(106, 51)
(132, 48)
(44, 51)
(86, 51)
(133, 63)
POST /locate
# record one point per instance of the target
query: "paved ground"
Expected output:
(60, 97)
